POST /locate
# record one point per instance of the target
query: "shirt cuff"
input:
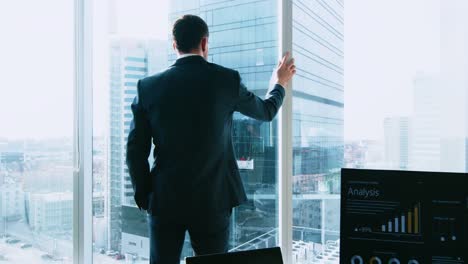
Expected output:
(280, 85)
(282, 89)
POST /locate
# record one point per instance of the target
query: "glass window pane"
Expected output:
(318, 112)
(124, 52)
(428, 128)
(36, 139)
(406, 96)
(135, 42)
(419, 112)
(420, 121)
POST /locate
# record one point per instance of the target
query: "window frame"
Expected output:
(285, 137)
(83, 133)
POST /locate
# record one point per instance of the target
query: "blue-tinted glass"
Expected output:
(132, 68)
(134, 76)
(243, 36)
(318, 105)
(136, 59)
(130, 84)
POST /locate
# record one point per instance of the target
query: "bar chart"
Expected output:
(405, 222)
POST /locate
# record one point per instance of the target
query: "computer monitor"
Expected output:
(397, 217)
(258, 256)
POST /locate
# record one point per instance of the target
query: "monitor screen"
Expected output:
(403, 217)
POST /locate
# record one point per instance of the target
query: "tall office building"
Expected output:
(50, 212)
(397, 133)
(318, 145)
(11, 201)
(131, 60)
(426, 147)
(440, 116)
(454, 84)
(244, 36)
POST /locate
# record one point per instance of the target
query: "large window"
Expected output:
(405, 107)
(407, 87)
(130, 43)
(36, 138)
(243, 36)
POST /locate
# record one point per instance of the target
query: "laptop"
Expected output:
(257, 256)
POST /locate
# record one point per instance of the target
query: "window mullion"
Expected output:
(82, 173)
(285, 139)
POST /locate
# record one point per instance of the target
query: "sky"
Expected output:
(386, 43)
(36, 68)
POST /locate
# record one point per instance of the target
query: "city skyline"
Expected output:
(397, 100)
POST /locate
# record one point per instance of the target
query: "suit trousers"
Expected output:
(209, 234)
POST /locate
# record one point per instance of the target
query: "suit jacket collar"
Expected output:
(189, 60)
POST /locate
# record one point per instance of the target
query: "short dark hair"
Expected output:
(188, 32)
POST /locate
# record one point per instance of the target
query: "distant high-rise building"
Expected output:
(397, 132)
(50, 212)
(454, 84)
(11, 201)
(441, 113)
(426, 143)
(131, 60)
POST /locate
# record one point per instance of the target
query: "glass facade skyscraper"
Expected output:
(128, 64)
(318, 104)
(243, 36)
(397, 132)
(131, 60)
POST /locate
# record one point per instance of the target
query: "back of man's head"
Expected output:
(188, 31)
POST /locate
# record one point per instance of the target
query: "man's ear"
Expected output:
(174, 45)
(204, 44)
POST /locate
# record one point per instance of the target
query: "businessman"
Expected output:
(186, 112)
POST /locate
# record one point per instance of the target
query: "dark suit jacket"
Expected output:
(187, 112)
